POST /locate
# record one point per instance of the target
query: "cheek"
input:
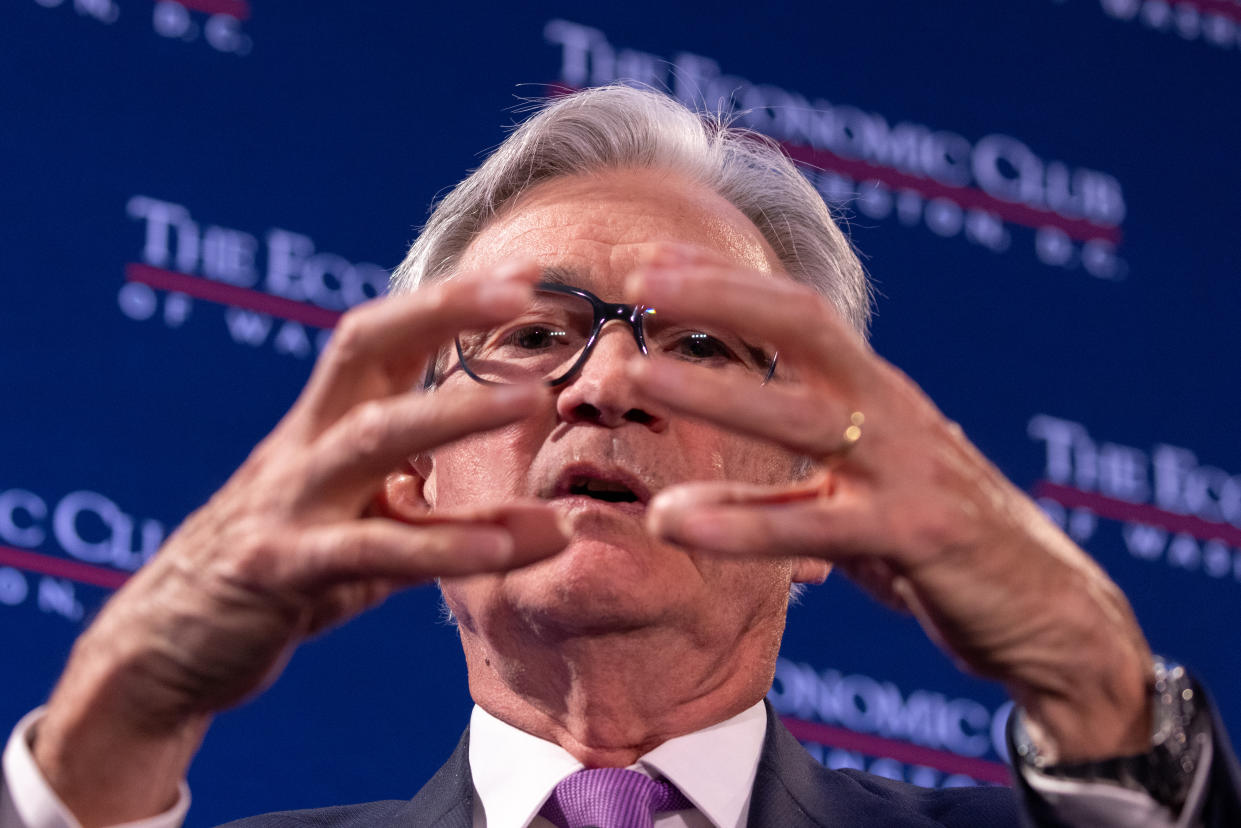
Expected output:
(754, 461)
(480, 469)
(462, 595)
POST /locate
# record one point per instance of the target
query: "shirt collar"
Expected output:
(715, 767)
(514, 772)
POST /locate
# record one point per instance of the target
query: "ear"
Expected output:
(404, 492)
(810, 570)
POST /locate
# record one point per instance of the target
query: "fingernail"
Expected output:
(677, 524)
(514, 269)
(661, 519)
(653, 374)
(494, 547)
(635, 284)
(704, 529)
(638, 368)
(669, 499)
(654, 284)
(503, 296)
(513, 395)
(669, 253)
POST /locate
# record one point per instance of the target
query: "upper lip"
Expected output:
(580, 474)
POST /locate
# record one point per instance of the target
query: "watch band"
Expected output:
(1180, 728)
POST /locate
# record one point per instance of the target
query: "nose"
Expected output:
(602, 394)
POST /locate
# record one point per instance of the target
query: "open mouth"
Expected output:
(604, 485)
(606, 490)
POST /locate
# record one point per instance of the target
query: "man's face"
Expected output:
(613, 576)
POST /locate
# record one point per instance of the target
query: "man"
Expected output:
(617, 532)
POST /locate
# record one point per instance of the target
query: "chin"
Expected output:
(598, 584)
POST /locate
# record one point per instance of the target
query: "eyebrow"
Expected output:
(559, 275)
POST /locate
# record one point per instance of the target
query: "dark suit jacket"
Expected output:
(791, 790)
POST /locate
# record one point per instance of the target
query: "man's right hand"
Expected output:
(300, 538)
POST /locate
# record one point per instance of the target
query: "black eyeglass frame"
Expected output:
(604, 312)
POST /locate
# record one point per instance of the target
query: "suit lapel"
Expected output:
(784, 789)
(447, 800)
(792, 790)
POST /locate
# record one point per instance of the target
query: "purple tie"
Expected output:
(610, 798)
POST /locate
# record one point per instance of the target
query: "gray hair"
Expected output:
(617, 126)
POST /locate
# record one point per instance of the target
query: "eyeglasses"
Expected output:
(552, 339)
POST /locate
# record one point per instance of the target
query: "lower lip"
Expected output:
(582, 503)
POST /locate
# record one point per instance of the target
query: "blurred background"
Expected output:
(192, 190)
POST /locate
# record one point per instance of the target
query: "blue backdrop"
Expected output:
(1043, 191)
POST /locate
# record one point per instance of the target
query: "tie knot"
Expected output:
(610, 798)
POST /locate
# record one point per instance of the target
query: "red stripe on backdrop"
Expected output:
(1123, 510)
(1224, 8)
(910, 754)
(239, 9)
(237, 297)
(60, 568)
(967, 197)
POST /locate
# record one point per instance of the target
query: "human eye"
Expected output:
(546, 328)
(701, 347)
(535, 337)
(706, 346)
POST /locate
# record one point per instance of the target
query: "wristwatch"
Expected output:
(1165, 772)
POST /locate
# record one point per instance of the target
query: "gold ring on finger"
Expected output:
(850, 438)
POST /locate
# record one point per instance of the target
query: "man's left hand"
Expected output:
(911, 510)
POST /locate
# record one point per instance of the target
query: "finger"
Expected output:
(813, 528)
(797, 321)
(686, 496)
(343, 601)
(668, 508)
(670, 254)
(798, 417)
(536, 528)
(352, 456)
(381, 347)
(389, 551)
(532, 523)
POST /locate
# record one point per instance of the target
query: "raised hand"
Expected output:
(910, 508)
(303, 536)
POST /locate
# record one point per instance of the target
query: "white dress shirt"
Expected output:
(514, 772)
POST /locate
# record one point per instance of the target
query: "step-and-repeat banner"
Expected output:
(193, 190)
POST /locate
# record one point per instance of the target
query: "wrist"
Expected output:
(99, 752)
(106, 775)
(1164, 768)
(1087, 693)
(1092, 724)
